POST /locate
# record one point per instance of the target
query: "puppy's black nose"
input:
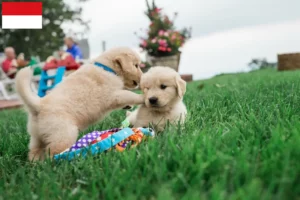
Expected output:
(153, 100)
(135, 83)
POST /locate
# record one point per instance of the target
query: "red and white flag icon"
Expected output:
(22, 15)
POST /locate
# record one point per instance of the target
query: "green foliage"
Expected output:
(43, 42)
(240, 141)
(162, 37)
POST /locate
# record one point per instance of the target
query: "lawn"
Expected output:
(241, 141)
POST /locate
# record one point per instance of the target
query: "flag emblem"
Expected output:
(22, 15)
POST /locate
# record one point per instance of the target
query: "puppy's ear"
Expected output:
(181, 86)
(124, 62)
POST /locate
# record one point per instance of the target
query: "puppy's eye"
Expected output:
(137, 65)
(162, 86)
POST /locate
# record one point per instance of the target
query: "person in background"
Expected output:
(9, 65)
(73, 48)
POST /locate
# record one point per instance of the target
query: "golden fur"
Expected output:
(81, 99)
(169, 105)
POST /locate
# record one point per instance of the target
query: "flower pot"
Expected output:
(288, 61)
(187, 77)
(165, 61)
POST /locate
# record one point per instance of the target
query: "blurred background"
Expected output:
(222, 36)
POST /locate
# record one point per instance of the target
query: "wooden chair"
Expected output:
(45, 77)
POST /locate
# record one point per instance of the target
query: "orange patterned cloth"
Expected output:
(131, 141)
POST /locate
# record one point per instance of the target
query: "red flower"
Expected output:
(162, 43)
(144, 43)
(161, 32)
(154, 40)
(157, 10)
(161, 48)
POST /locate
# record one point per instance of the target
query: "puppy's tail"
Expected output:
(23, 80)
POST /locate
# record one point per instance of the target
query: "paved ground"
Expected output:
(4, 104)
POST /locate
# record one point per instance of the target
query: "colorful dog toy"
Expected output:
(97, 142)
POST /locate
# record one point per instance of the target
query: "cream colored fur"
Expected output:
(81, 99)
(169, 107)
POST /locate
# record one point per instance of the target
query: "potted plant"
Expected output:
(162, 42)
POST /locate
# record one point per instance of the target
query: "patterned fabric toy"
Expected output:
(100, 141)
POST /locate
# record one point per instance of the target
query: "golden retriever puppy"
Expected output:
(81, 99)
(163, 89)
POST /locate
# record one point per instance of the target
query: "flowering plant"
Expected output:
(145, 66)
(162, 39)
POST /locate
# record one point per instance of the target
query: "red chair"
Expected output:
(69, 62)
(53, 64)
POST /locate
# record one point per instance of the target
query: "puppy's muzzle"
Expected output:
(153, 100)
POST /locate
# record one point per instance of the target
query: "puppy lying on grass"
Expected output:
(81, 99)
(163, 89)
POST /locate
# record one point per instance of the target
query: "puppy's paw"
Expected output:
(128, 107)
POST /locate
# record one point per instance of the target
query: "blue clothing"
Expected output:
(75, 52)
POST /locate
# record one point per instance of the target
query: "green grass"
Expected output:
(241, 141)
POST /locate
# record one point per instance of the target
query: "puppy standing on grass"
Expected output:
(80, 100)
(163, 89)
